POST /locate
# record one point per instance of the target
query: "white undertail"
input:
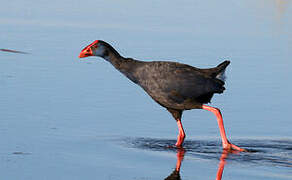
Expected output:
(221, 76)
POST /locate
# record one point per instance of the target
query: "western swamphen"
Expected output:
(175, 86)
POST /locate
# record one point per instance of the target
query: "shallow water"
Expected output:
(66, 118)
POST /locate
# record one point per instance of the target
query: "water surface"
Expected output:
(66, 118)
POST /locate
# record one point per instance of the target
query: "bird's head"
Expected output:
(94, 49)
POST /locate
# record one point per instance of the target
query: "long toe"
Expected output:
(229, 147)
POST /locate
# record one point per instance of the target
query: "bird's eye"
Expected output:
(87, 50)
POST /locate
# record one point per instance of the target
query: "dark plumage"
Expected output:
(175, 86)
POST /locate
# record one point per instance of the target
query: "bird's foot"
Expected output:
(180, 140)
(178, 144)
(229, 147)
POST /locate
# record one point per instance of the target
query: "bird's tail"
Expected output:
(221, 70)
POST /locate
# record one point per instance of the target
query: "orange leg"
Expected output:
(181, 136)
(225, 143)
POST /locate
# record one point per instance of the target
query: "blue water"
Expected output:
(67, 118)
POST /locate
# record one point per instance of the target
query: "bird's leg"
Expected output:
(181, 136)
(225, 143)
(181, 133)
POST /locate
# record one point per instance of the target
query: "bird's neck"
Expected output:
(126, 66)
(112, 56)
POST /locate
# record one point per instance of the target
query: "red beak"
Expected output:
(85, 52)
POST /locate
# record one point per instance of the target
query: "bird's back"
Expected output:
(178, 86)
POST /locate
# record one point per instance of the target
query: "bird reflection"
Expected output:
(180, 156)
(175, 175)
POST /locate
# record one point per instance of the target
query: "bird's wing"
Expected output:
(188, 83)
(178, 81)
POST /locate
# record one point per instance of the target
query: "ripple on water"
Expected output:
(263, 152)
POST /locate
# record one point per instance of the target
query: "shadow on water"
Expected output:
(263, 152)
(260, 152)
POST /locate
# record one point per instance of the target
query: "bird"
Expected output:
(175, 86)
